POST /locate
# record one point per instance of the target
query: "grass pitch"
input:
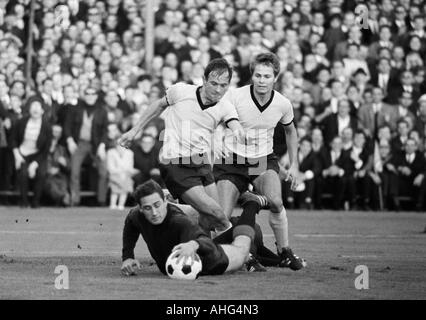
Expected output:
(88, 241)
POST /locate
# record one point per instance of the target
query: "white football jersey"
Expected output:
(189, 124)
(258, 121)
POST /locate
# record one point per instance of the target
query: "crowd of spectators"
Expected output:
(357, 84)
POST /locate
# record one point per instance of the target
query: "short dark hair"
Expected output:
(307, 139)
(359, 131)
(419, 16)
(334, 80)
(45, 80)
(410, 139)
(402, 121)
(17, 81)
(144, 77)
(407, 94)
(353, 44)
(147, 188)
(385, 26)
(269, 59)
(218, 65)
(384, 58)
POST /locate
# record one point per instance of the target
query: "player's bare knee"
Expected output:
(276, 204)
(243, 244)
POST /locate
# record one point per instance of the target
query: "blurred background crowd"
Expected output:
(358, 90)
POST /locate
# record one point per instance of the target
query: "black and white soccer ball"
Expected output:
(186, 269)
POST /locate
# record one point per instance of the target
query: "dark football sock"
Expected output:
(266, 257)
(248, 217)
(247, 220)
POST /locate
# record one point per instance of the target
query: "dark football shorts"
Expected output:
(180, 175)
(215, 261)
(241, 172)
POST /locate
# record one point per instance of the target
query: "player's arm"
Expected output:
(237, 129)
(291, 141)
(231, 119)
(130, 237)
(153, 111)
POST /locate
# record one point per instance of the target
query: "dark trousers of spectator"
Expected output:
(38, 181)
(7, 168)
(56, 188)
(376, 195)
(351, 190)
(402, 186)
(359, 192)
(85, 149)
(336, 186)
(302, 199)
(422, 195)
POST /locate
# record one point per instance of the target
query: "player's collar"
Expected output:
(200, 101)
(258, 105)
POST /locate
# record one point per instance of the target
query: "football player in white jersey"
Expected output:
(260, 109)
(192, 115)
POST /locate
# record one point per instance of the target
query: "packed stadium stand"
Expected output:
(356, 79)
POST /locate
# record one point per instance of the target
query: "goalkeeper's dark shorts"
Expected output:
(215, 261)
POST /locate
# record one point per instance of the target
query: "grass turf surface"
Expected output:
(88, 242)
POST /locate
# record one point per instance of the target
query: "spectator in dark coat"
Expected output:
(404, 106)
(335, 164)
(86, 135)
(146, 160)
(56, 186)
(404, 83)
(373, 116)
(31, 140)
(7, 163)
(362, 157)
(420, 124)
(398, 142)
(384, 77)
(377, 183)
(309, 168)
(334, 124)
(334, 34)
(409, 173)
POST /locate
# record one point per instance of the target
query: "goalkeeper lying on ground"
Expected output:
(165, 228)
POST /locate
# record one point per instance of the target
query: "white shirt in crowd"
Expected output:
(32, 131)
(343, 123)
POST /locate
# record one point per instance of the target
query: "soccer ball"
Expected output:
(186, 269)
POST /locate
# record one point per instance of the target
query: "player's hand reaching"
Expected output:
(129, 267)
(240, 135)
(292, 175)
(32, 169)
(127, 138)
(19, 160)
(185, 250)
